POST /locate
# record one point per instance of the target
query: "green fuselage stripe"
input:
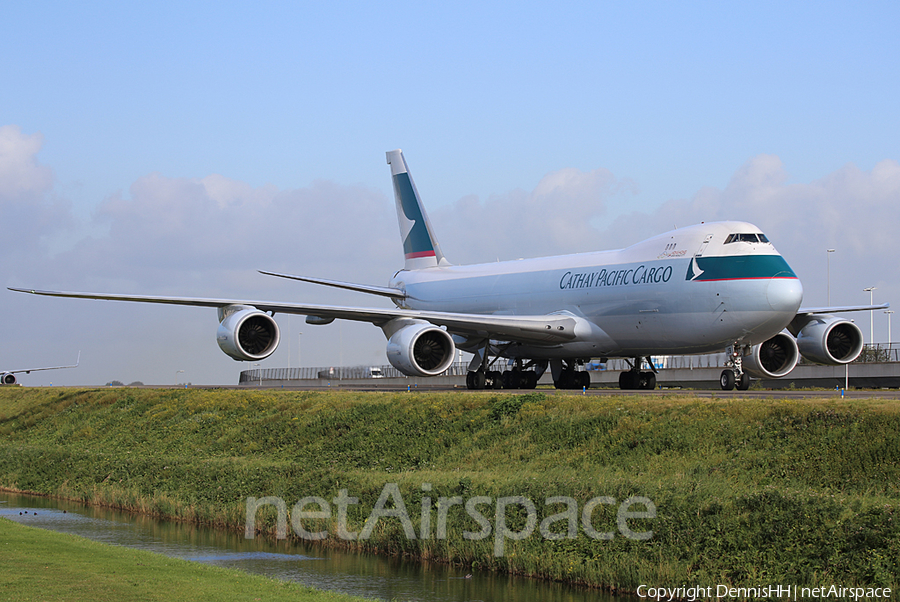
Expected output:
(741, 267)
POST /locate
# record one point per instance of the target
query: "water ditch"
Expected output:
(371, 576)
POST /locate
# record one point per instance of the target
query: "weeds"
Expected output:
(797, 491)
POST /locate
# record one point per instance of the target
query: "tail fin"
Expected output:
(419, 244)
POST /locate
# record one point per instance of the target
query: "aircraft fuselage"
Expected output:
(685, 291)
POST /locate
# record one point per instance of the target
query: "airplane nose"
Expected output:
(785, 295)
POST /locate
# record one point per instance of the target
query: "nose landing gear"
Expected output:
(734, 377)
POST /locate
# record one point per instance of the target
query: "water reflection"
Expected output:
(359, 574)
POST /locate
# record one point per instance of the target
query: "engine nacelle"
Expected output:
(773, 358)
(247, 334)
(421, 349)
(830, 340)
(7, 379)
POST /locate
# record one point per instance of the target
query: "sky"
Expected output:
(175, 148)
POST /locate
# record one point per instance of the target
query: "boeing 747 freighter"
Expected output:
(701, 289)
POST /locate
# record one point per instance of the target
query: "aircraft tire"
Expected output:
(479, 379)
(726, 380)
(626, 380)
(743, 383)
(584, 380)
(566, 380)
(531, 379)
(496, 379)
(648, 380)
(476, 380)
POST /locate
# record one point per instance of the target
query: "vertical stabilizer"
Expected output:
(420, 247)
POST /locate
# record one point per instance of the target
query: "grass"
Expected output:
(798, 491)
(44, 565)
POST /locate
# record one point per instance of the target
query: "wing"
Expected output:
(30, 370)
(546, 329)
(836, 310)
(393, 293)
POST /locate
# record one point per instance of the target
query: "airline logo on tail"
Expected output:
(416, 241)
(420, 247)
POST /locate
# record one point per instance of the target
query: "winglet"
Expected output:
(420, 247)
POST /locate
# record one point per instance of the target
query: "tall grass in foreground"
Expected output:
(746, 491)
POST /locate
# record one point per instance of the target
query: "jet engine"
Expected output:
(773, 358)
(421, 349)
(247, 334)
(828, 339)
(8, 379)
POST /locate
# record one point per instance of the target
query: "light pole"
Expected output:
(177, 372)
(871, 313)
(828, 253)
(889, 312)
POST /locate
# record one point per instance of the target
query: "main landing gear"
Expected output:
(494, 379)
(734, 377)
(520, 377)
(525, 375)
(565, 376)
(635, 379)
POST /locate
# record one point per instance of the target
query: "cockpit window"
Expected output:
(746, 238)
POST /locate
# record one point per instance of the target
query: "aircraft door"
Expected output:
(703, 246)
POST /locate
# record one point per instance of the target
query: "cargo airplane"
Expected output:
(700, 289)
(8, 377)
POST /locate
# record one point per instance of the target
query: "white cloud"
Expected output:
(556, 217)
(212, 234)
(20, 172)
(29, 212)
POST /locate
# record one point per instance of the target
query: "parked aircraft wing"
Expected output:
(548, 329)
(30, 370)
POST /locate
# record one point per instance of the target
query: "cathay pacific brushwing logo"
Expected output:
(738, 267)
(406, 226)
(416, 241)
(694, 270)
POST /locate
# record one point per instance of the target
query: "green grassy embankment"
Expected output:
(43, 565)
(746, 491)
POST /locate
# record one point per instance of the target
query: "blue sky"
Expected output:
(125, 118)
